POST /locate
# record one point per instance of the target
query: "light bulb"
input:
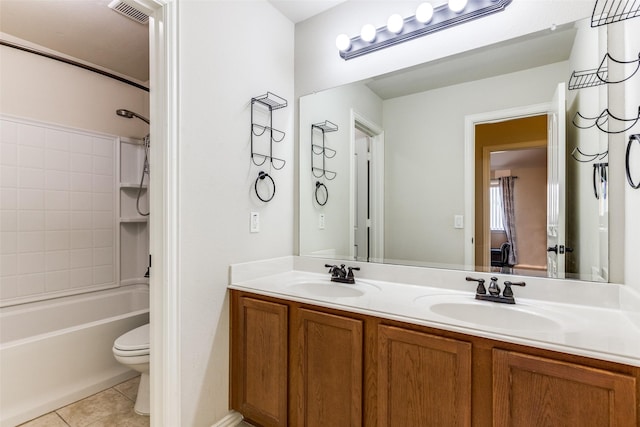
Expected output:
(368, 33)
(424, 13)
(343, 42)
(457, 6)
(395, 23)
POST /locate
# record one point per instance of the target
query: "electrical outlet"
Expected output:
(458, 221)
(255, 222)
(321, 221)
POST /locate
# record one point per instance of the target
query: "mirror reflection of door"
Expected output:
(362, 169)
(514, 148)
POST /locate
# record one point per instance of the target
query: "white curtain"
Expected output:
(509, 216)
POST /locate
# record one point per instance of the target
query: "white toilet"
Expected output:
(132, 349)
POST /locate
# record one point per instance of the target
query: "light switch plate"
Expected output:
(254, 222)
(321, 221)
(458, 221)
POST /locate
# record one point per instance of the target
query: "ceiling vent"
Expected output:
(129, 11)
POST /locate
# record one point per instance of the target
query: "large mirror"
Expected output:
(470, 162)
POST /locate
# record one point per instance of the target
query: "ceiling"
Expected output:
(87, 30)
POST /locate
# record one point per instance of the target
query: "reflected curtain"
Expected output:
(508, 215)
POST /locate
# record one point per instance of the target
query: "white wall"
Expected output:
(334, 105)
(424, 155)
(229, 52)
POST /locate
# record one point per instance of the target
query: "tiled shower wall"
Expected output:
(56, 211)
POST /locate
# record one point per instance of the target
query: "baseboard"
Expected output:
(232, 419)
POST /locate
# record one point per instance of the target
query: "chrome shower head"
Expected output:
(130, 115)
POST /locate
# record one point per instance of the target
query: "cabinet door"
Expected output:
(423, 380)
(259, 361)
(538, 392)
(327, 370)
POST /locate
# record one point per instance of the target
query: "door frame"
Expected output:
(376, 190)
(470, 122)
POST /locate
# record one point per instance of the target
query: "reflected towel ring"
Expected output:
(626, 161)
(261, 176)
(326, 193)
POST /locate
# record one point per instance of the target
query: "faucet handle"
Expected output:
(350, 272)
(480, 289)
(332, 268)
(508, 292)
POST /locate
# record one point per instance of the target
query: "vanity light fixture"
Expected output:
(426, 20)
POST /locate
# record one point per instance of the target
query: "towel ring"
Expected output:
(261, 176)
(320, 185)
(626, 161)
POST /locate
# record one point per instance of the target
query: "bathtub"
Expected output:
(55, 352)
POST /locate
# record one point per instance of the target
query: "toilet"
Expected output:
(132, 350)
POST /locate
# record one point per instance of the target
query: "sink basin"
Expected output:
(331, 289)
(493, 315)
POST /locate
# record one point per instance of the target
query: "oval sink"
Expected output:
(331, 289)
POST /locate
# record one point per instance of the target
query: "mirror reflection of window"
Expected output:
(495, 206)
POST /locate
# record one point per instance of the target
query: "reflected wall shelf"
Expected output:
(609, 11)
(321, 151)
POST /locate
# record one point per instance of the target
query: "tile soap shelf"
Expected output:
(265, 105)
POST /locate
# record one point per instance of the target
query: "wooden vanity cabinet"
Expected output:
(295, 364)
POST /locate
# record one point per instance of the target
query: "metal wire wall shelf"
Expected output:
(609, 11)
(600, 75)
(268, 103)
(321, 151)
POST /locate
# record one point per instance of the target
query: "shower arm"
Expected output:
(130, 114)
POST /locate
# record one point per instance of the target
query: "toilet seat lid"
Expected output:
(136, 339)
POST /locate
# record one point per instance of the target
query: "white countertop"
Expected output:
(603, 322)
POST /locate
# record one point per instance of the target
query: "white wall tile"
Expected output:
(57, 200)
(81, 239)
(81, 221)
(81, 201)
(8, 198)
(30, 178)
(102, 275)
(79, 143)
(9, 287)
(80, 277)
(56, 160)
(102, 201)
(8, 132)
(102, 238)
(103, 165)
(81, 163)
(30, 241)
(103, 220)
(9, 265)
(31, 262)
(8, 176)
(8, 154)
(30, 220)
(57, 220)
(103, 147)
(8, 221)
(8, 242)
(103, 256)
(79, 258)
(56, 139)
(57, 240)
(30, 157)
(56, 180)
(30, 199)
(56, 280)
(29, 135)
(57, 260)
(31, 284)
(81, 181)
(103, 184)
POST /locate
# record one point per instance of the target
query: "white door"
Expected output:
(556, 157)
(361, 224)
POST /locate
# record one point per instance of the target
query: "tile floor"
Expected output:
(111, 407)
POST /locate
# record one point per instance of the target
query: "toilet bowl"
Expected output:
(132, 350)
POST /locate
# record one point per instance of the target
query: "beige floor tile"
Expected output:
(107, 403)
(130, 419)
(49, 420)
(129, 388)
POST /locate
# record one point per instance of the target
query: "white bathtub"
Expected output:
(55, 352)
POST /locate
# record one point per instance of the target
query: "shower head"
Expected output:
(130, 115)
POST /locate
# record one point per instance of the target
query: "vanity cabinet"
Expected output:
(535, 391)
(423, 379)
(296, 364)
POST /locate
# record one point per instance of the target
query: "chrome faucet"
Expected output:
(494, 290)
(342, 274)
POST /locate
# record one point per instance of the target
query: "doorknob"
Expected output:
(553, 249)
(559, 249)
